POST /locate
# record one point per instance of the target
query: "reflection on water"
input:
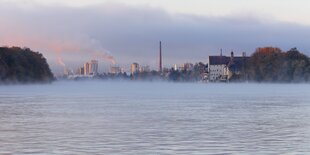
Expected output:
(154, 118)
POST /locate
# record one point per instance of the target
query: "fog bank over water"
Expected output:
(89, 88)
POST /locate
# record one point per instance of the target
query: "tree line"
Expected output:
(22, 65)
(270, 64)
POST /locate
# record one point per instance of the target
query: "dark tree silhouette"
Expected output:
(21, 65)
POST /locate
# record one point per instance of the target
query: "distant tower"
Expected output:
(86, 68)
(81, 71)
(232, 54)
(160, 59)
(221, 55)
(93, 67)
(134, 68)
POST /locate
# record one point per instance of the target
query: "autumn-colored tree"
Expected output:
(271, 64)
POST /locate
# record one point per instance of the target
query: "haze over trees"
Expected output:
(21, 65)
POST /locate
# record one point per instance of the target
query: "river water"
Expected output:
(131, 118)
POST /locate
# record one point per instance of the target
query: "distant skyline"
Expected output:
(130, 30)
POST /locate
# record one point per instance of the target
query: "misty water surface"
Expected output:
(154, 118)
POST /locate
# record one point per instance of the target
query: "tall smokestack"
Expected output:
(160, 59)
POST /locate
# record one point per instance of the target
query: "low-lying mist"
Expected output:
(95, 88)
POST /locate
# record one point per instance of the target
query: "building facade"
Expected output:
(81, 71)
(86, 68)
(223, 68)
(90, 68)
(93, 70)
(134, 68)
(216, 68)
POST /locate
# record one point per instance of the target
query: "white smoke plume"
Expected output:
(105, 56)
(61, 62)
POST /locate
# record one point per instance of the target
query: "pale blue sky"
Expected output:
(296, 11)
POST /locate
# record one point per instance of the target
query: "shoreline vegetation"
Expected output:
(23, 66)
(265, 65)
(274, 65)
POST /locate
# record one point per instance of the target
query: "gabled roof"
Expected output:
(218, 60)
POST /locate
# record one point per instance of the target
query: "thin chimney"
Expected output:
(160, 59)
(232, 56)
